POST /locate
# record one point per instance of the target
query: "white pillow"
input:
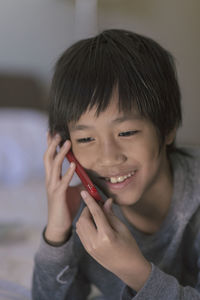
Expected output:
(22, 144)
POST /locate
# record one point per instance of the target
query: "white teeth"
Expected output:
(120, 178)
(113, 180)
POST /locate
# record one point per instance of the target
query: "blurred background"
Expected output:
(33, 33)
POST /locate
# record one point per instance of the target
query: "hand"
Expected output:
(61, 209)
(111, 244)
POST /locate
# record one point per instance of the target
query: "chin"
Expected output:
(125, 199)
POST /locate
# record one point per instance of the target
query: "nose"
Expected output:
(110, 154)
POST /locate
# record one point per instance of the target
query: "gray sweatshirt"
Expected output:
(67, 272)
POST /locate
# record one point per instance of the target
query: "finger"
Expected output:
(96, 212)
(68, 176)
(49, 138)
(114, 221)
(50, 154)
(56, 169)
(85, 227)
(86, 221)
(107, 207)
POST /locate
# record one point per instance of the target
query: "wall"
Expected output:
(34, 32)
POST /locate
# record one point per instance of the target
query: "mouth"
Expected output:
(114, 182)
(120, 182)
(119, 178)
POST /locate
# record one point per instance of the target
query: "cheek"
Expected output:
(145, 151)
(82, 155)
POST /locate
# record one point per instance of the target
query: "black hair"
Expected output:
(141, 70)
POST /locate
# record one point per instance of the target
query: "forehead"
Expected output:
(111, 115)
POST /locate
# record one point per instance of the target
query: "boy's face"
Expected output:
(121, 153)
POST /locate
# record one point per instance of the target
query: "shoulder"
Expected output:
(187, 161)
(191, 243)
(190, 156)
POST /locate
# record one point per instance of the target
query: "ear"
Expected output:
(170, 137)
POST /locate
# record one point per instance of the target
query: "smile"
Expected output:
(119, 178)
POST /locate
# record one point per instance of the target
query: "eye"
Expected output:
(128, 133)
(85, 140)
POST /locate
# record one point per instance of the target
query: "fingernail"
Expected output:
(108, 205)
(72, 164)
(57, 136)
(66, 143)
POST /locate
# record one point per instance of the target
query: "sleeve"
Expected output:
(56, 274)
(162, 286)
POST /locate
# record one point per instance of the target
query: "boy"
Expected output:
(115, 101)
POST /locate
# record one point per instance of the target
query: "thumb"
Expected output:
(107, 207)
(113, 220)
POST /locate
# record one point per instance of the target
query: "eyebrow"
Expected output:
(77, 127)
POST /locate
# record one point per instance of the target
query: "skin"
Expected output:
(111, 152)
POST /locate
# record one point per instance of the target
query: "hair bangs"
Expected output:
(102, 69)
(89, 79)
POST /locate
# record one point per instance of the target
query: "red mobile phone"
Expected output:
(84, 177)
